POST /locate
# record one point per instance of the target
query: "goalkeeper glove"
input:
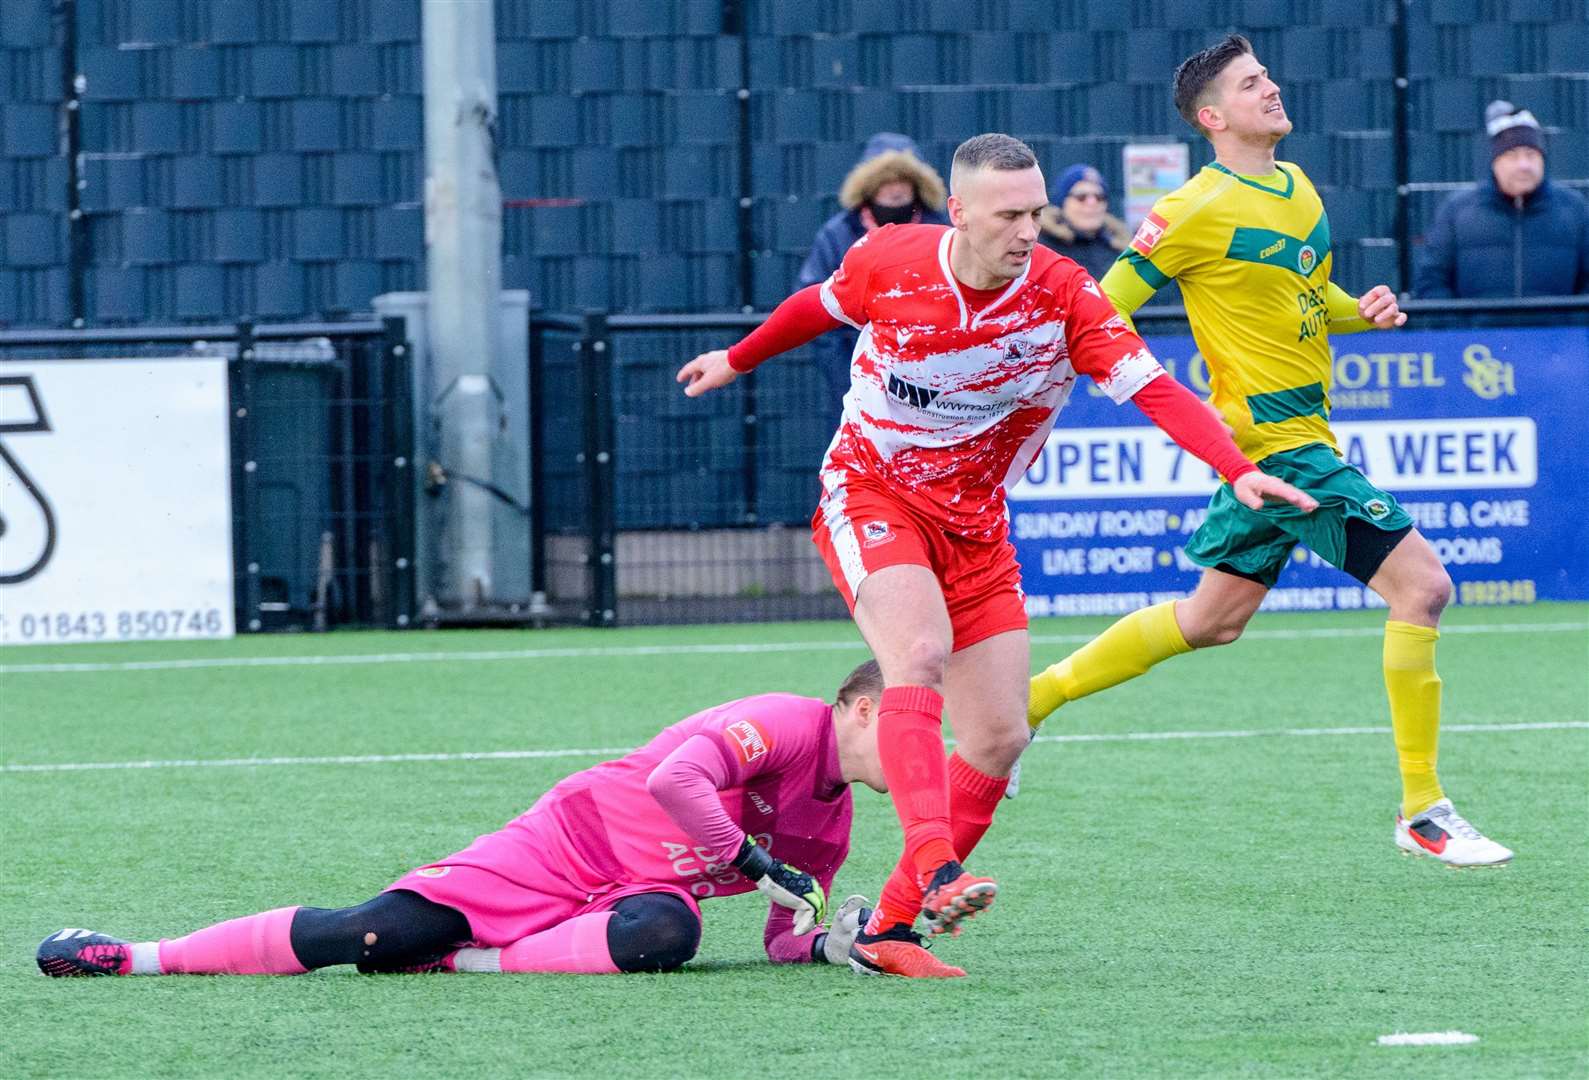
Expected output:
(784, 885)
(833, 945)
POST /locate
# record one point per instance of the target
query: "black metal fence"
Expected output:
(656, 508)
(666, 508)
(321, 439)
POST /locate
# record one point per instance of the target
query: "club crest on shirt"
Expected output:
(1377, 508)
(876, 532)
(433, 871)
(1307, 259)
(1149, 233)
(747, 740)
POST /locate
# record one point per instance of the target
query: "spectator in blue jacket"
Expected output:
(1516, 234)
(890, 185)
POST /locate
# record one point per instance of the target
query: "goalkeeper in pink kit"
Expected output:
(603, 874)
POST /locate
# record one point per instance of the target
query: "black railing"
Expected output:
(651, 507)
(322, 436)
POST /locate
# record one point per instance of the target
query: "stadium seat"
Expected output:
(1453, 12)
(703, 116)
(877, 110)
(1569, 154)
(238, 235)
(112, 74)
(1494, 48)
(200, 292)
(236, 127)
(397, 123)
(27, 23)
(32, 239)
(146, 236)
(274, 71)
(1569, 48)
(278, 179)
(356, 281)
(313, 21)
(593, 65)
(116, 293)
(316, 124)
(316, 233)
(196, 182)
(357, 179)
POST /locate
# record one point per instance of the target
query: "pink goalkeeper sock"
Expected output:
(253, 945)
(575, 947)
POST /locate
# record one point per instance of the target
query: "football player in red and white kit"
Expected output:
(972, 338)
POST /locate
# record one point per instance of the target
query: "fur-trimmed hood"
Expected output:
(1054, 224)
(872, 173)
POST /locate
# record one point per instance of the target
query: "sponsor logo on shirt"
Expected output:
(747, 740)
(1148, 234)
(761, 804)
(916, 396)
(1115, 327)
(876, 532)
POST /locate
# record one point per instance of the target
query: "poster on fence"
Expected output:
(115, 500)
(1481, 433)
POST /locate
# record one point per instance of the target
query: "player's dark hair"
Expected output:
(1198, 72)
(993, 151)
(864, 681)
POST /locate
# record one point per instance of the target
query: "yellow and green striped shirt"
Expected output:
(1252, 255)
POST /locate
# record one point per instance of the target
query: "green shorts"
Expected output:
(1353, 529)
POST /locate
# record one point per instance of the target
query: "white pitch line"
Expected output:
(609, 751)
(1428, 1038)
(725, 648)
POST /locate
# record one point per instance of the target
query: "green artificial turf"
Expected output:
(1176, 907)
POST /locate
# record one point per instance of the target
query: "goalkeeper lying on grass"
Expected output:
(603, 874)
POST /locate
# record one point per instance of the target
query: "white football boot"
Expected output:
(1446, 835)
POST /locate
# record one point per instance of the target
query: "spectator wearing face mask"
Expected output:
(889, 185)
(1516, 234)
(1077, 222)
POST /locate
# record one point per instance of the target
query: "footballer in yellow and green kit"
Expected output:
(1248, 241)
(1252, 256)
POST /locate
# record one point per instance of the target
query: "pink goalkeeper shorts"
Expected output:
(510, 884)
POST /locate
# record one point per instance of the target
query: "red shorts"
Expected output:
(509, 885)
(860, 528)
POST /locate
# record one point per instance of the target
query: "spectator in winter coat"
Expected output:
(1077, 222)
(1516, 234)
(890, 185)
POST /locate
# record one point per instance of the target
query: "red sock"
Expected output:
(910, 743)
(253, 945)
(973, 798)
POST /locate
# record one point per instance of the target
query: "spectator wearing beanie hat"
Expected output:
(1516, 233)
(889, 185)
(1077, 222)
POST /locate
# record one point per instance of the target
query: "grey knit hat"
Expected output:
(1510, 127)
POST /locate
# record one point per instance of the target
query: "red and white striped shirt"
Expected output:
(953, 390)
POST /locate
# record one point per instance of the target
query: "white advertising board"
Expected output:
(1152, 170)
(115, 500)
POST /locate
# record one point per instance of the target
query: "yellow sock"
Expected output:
(1124, 651)
(1414, 691)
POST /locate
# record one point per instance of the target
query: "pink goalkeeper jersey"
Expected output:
(953, 391)
(775, 762)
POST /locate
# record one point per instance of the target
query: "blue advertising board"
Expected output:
(1483, 434)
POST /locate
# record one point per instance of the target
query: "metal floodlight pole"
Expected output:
(463, 245)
